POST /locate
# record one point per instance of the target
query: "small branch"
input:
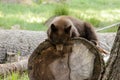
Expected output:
(113, 25)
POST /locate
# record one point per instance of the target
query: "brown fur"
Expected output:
(63, 28)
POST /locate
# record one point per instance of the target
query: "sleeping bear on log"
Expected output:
(63, 28)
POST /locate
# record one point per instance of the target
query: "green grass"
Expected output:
(32, 17)
(61, 9)
(28, 17)
(16, 76)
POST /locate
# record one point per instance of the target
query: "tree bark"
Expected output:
(112, 71)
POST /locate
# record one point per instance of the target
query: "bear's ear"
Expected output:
(67, 30)
(53, 28)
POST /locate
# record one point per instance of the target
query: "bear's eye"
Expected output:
(67, 30)
(53, 28)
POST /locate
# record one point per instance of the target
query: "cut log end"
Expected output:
(84, 62)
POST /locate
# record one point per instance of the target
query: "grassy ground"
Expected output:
(31, 17)
(16, 76)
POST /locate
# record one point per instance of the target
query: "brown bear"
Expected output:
(63, 28)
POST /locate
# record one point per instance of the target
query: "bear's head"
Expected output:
(60, 31)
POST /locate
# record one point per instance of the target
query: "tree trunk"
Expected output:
(79, 60)
(112, 71)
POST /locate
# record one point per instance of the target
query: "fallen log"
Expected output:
(8, 68)
(24, 42)
(80, 60)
